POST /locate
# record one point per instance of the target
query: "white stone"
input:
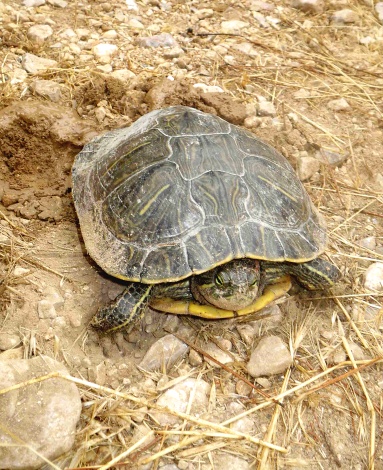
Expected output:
(111, 34)
(208, 88)
(159, 40)
(252, 122)
(246, 48)
(58, 3)
(18, 76)
(164, 353)
(217, 353)
(131, 5)
(177, 399)
(104, 50)
(19, 271)
(34, 64)
(340, 104)
(373, 277)
(42, 415)
(307, 167)
(123, 74)
(8, 340)
(368, 242)
(33, 3)
(48, 89)
(233, 26)
(266, 108)
(270, 357)
(134, 23)
(379, 11)
(309, 6)
(46, 309)
(53, 295)
(39, 33)
(344, 16)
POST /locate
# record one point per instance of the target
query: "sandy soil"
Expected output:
(338, 425)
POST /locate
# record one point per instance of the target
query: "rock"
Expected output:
(247, 333)
(58, 3)
(173, 52)
(104, 52)
(54, 296)
(309, 6)
(18, 76)
(345, 16)
(34, 64)
(164, 352)
(97, 374)
(158, 40)
(177, 399)
(243, 389)
(39, 33)
(307, 167)
(368, 242)
(226, 461)
(9, 340)
(216, 352)
(42, 415)
(379, 11)
(252, 122)
(266, 108)
(110, 34)
(46, 309)
(373, 277)
(301, 94)
(19, 271)
(246, 48)
(270, 357)
(204, 13)
(134, 23)
(208, 88)
(33, 3)
(233, 26)
(47, 89)
(331, 158)
(51, 208)
(131, 5)
(339, 105)
(123, 74)
(195, 359)
(358, 353)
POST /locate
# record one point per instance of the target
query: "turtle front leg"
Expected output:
(125, 309)
(185, 307)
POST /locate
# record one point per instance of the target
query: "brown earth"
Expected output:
(331, 427)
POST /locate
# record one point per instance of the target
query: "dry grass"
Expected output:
(307, 61)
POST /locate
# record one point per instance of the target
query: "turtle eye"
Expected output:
(253, 282)
(219, 280)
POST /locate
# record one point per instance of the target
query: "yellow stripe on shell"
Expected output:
(153, 199)
(277, 188)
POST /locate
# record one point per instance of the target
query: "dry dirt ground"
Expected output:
(299, 61)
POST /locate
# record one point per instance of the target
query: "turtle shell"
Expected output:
(181, 191)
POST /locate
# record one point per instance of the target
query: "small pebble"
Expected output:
(373, 277)
(309, 6)
(338, 105)
(164, 353)
(345, 16)
(307, 167)
(39, 33)
(270, 357)
(266, 108)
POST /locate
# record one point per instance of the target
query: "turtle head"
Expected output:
(231, 286)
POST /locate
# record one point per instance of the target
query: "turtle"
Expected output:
(198, 216)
